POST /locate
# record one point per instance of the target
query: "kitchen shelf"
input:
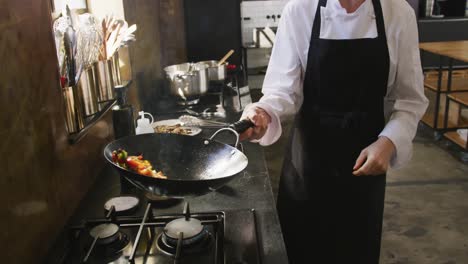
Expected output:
(457, 139)
(461, 98)
(459, 80)
(91, 121)
(458, 84)
(457, 95)
(428, 119)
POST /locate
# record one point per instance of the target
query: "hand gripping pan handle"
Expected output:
(235, 128)
(242, 125)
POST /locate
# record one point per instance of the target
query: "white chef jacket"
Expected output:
(405, 102)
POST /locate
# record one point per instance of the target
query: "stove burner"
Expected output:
(105, 233)
(197, 244)
(110, 243)
(191, 228)
(122, 204)
(194, 237)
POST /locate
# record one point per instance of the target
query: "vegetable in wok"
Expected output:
(136, 164)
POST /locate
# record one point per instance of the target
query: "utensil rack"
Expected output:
(90, 121)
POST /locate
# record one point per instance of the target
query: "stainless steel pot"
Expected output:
(215, 72)
(187, 81)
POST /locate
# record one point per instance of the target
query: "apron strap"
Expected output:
(381, 34)
(317, 20)
(314, 39)
(382, 38)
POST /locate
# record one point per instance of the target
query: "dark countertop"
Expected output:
(250, 190)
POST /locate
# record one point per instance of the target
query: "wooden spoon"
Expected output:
(131, 29)
(111, 42)
(225, 57)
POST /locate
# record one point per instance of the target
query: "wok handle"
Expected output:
(242, 125)
(222, 130)
(235, 128)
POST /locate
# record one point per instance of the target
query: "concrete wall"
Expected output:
(160, 42)
(43, 177)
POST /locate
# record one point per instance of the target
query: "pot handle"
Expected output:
(235, 128)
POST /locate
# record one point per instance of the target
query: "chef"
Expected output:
(350, 73)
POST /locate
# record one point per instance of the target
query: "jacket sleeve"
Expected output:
(282, 87)
(405, 103)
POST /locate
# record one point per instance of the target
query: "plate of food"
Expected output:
(174, 126)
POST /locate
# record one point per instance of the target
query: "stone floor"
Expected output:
(426, 208)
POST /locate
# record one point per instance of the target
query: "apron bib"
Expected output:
(320, 200)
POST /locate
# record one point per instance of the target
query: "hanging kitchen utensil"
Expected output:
(69, 45)
(108, 25)
(123, 37)
(60, 26)
(193, 165)
(131, 29)
(111, 42)
(73, 17)
(89, 40)
(115, 33)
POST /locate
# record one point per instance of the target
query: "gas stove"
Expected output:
(122, 237)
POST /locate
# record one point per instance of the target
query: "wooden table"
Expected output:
(453, 50)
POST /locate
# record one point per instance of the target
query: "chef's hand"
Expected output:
(261, 119)
(375, 159)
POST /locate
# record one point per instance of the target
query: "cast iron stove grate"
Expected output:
(212, 237)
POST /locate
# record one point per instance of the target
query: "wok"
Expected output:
(193, 166)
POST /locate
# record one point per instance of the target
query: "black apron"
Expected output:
(327, 214)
